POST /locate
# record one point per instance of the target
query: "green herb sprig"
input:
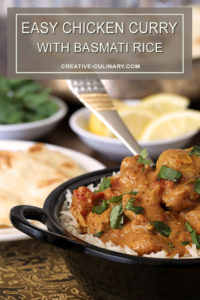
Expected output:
(105, 183)
(195, 151)
(136, 209)
(197, 186)
(98, 234)
(161, 227)
(23, 101)
(185, 243)
(142, 158)
(194, 237)
(169, 174)
(100, 208)
(116, 217)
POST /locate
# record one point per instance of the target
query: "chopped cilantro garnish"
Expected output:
(195, 151)
(185, 242)
(193, 234)
(116, 217)
(169, 174)
(132, 199)
(197, 186)
(115, 199)
(99, 209)
(105, 183)
(98, 234)
(129, 205)
(161, 227)
(171, 245)
(142, 158)
(118, 198)
(137, 209)
(131, 193)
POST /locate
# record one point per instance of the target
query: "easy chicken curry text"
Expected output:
(147, 208)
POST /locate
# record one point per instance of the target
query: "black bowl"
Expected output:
(109, 275)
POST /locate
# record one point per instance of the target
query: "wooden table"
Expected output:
(34, 270)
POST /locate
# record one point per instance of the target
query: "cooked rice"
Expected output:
(69, 223)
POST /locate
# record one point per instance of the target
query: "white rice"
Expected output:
(69, 223)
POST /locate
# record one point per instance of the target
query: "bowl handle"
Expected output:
(19, 216)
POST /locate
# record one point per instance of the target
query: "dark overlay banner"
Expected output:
(69, 43)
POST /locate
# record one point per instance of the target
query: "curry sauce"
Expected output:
(148, 208)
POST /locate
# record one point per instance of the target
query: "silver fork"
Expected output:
(93, 95)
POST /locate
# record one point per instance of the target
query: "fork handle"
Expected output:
(102, 107)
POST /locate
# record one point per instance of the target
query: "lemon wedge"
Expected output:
(171, 125)
(97, 127)
(163, 103)
(134, 118)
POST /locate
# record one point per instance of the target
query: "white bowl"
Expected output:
(33, 130)
(112, 147)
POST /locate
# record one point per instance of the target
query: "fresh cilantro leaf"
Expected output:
(100, 208)
(116, 217)
(185, 242)
(161, 227)
(131, 193)
(24, 101)
(129, 205)
(193, 234)
(138, 210)
(115, 199)
(144, 153)
(118, 198)
(171, 245)
(132, 199)
(98, 234)
(142, 158)
(105, 183)
(195, 151)
(198, 238)
(197, 186)
(169, 174)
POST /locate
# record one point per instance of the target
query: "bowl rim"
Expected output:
(58, 115)
(54, 203)
(83, 112)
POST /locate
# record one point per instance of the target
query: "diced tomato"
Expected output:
(115, 182)
(82, 200)
(98, 196)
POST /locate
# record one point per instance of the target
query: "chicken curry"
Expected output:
(148, 208)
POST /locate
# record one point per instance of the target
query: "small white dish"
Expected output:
(34, 130)
(112, 148)
(88, 164)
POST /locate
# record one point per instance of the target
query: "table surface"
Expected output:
(31, 269)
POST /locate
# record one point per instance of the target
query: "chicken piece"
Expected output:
(193, 217)
(196, 162)
(140, 239)
(180, 196)
(110, 192)
(151, 201)
(179, 160)
(82, 204)
(133, 176)
(98, 222)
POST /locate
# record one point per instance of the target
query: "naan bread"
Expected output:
(27, 177)
(56, 159)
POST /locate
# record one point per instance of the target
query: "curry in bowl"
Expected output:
(145, 209)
